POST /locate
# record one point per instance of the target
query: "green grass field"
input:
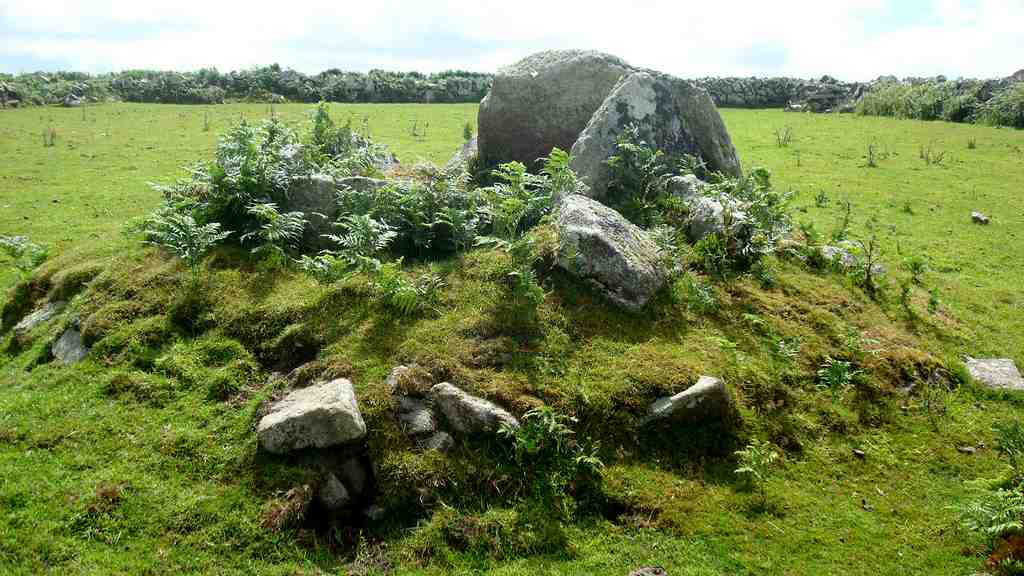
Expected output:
(126, 466)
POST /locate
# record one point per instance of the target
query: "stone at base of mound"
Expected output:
(599, 245)
(708, 398)
(997, 373)
(69, 349)
(318, 416)
(467, 413)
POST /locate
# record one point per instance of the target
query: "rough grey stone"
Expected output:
(439, 442)
(998, 373)
(394, 376)
(354, 475)
(467, 413)
(979, 218)
(708, 398)
(317, 198)
(846, 259)
(69, 348)
(708, 216)
(460, 160)
(333, 494)
(318, 416)
(544, 101)
(415, 417)
(37, 317)
(686, 187)
(673, 115)
(598, 244)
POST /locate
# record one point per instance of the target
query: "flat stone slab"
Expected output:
(998, 373)
(37, 317)
(319, 416)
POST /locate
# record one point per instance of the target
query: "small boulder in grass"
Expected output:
(318, 416)
(996, 373)
(649, 571)
(708, 399)
(979, 218)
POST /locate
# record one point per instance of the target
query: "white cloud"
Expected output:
(850, 39)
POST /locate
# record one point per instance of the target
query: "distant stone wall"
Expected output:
(822, 95)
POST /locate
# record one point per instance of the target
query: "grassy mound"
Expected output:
(143, 457)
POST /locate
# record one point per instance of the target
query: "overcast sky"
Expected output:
(849, 39)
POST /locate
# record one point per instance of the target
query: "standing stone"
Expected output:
(318, 416)
(544, 101)
(467, 413)
(673, 115)
(599, 245)
(707, 399)
(1000, 373)
(69, 349)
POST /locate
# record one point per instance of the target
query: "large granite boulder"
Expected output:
(466, 413)
(599, 245)
(318, 416)
(544, 101)
(317, 198)
(673, 115)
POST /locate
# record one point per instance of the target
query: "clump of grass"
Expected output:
(972, 143)
(931, 156)
(50, 137)
(783, 136)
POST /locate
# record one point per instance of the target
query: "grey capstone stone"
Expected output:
(708, 398)
(415, 417)
(1000, 373)
(673, 115)
(37, 317)
(333, 494)
(68, 349)
(467, 413)
(544, 101)
(318, 416)
(599, 245)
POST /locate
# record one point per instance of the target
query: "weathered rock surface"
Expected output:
(686, 187)
(318, 416)
(598, 244)
(415, 417)
(333, 494)
(998, 373)
(709, 216)
(460, 160)
(673, 115)
(69, 348)
(37, 317)
(439, 442)
(544, 101)
(707, 399)
(317, 198)
(467, 413)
